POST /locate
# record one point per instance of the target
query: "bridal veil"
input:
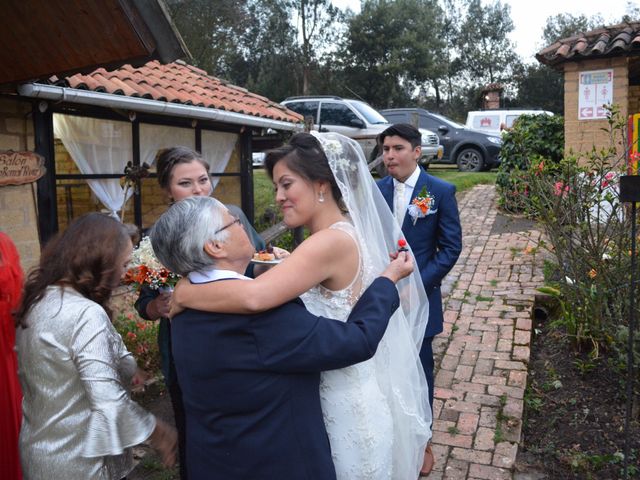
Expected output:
(398, 368)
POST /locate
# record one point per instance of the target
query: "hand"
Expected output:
(175, 305)
(138, 380)
(159, 306)
(401, 266)
(280, 253)
(164, 440)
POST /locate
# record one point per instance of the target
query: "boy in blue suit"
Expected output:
(434, 237)
(250, 383)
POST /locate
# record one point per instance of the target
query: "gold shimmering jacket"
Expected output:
(79, 420)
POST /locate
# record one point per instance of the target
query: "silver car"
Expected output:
(358, 120)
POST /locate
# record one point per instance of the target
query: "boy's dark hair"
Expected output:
(404, 130)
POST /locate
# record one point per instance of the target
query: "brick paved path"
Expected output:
(482, 355)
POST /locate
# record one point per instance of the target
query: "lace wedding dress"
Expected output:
(356, 413)
(377, 412)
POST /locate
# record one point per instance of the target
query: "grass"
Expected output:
(463, 180)
(263, 197)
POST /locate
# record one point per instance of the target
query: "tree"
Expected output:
(486, 53)
(391, 49)
(632, 12)
(449, 31)
(210, 33)
(539, 86)
(316, 31)
(565, 25)
(268, 48)
(248, 42)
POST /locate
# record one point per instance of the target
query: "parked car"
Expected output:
(358, 120)
(258, 159)
(471, 150)
(495, 121)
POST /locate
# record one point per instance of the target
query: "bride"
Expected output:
(376, 413)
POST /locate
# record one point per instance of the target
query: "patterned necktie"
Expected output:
(399, 205)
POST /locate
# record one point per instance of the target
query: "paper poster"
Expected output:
(595, 90)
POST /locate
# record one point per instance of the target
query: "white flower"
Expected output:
(332, 146)
(143, 254)
(568, 280)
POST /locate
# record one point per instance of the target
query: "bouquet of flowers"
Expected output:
(145, 269)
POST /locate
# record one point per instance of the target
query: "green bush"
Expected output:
(588, 229)
(532, 138)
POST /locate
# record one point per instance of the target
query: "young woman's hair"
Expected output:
(168, 158)
(84, 257)
(304, 155)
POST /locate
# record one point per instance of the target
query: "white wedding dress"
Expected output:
(376, 413)
(356, 413)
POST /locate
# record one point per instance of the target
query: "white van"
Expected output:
(494, 121)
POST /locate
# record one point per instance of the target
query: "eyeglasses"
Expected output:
(235, 220)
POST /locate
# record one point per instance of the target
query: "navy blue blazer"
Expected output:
(436, 240)
(250, 385)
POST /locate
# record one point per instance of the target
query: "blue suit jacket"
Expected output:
(436, 240)
(250, 385)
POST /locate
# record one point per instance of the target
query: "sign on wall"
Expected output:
(595, 90)
(17, 168)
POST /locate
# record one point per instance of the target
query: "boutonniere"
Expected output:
(421, 205)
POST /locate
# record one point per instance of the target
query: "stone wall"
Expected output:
(582, 135)
(18, 216)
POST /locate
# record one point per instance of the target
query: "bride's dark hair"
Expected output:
(304, 155)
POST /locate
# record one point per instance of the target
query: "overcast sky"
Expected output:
(529, 17)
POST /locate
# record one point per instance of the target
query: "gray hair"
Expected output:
(180, 234)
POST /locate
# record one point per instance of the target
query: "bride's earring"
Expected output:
(321, 196)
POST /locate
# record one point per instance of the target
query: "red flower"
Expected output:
(131, 336)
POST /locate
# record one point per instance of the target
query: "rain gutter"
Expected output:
(137, 104)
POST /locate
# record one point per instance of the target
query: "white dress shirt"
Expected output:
(409, 185)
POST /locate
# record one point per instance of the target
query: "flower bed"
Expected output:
(139, 335)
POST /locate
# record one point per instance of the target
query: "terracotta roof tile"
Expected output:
(621, 39)
(181, 83)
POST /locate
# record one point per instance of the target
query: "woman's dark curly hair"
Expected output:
(304, 155)
(84, 257)
(168, 158)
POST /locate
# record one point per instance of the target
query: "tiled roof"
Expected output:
(617, 40)
(184, 84)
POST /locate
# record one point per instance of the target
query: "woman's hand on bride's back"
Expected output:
(401, 266)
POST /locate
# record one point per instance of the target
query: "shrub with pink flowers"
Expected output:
(588, 229)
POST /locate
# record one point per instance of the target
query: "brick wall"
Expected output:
(18, 203)
(582, 135)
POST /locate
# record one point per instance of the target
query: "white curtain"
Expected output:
(98, 146)
(155, 137)
(217, 148)
(105, 146)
